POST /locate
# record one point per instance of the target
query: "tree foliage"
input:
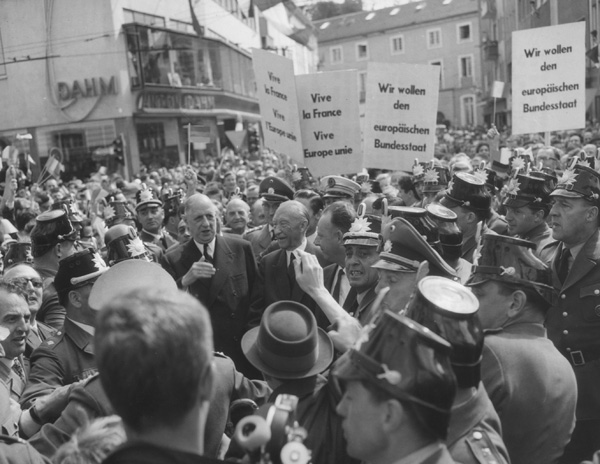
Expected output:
(323, 10)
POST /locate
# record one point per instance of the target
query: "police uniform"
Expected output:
(531, 384)
(89, 401)
(63, 359)
(147, 196)
(338, 188)
(573, 323)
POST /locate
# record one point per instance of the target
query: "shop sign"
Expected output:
(174, 101)
(87, 88)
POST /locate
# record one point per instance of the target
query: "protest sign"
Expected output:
(548, 74)
(329, 121)
(278, 104)
(400, 115)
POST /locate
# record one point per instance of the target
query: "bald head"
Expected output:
(237, 214)
(290, 222)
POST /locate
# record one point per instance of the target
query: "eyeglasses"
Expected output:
(22, 282)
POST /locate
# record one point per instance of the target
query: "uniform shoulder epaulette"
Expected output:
(483, 448)
(53, 339)
(252, 230)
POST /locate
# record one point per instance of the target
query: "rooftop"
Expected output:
(369, 22)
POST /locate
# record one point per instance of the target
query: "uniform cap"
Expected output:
(116, 212)
(78, 270)
(275, 189)
(449, 309)
(17, 253)
(52, 227)
(404, 249)
(365, 231)
(468, 191)
(70, 208)
(122, 242)
(406, 360)
(419, 219)
(117, 280)
(578, 181)
(511, 260)
(527, 190)
(435, 179)
(146, 196)
(340, 187)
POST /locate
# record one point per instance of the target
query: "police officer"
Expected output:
(574, 321)
(398, 390)
(531, 384)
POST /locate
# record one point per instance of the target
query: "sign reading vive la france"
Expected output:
(329, 122)
(278, 104)
(400, 116)
(548, 88)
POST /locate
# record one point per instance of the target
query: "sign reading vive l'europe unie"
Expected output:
(87, 88)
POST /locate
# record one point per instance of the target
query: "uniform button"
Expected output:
(596, 292)
(565, 314)
(565, 332)
(568, 349)
(477, 435)
(563, 296)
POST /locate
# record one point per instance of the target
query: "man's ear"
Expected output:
(518, 301)
(472, 217)
(75, 298)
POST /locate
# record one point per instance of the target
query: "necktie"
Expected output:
(291, 272)
(338, 285)
(562, 268)
(351, 303)
(272, 235)
(18, 369)
(206, 254)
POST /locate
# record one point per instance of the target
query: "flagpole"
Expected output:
(189, 153)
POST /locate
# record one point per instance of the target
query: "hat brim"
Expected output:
(341, 196)
(148, 203)
(566, 194)
(391, 266)
(117, 281)
(362, 241)
(273, 197)
(324, 356)
(516, 203)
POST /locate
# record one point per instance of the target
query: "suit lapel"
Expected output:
(281, 276)
(222, 261)
(586, 260)
(264, 240)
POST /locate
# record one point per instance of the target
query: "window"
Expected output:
(397, 44)
(336, 55)
(131, 16)
(434, 38)
(362, 52)
(467, 110)
(2, 59)
(463, 32)
(362, 86)
(466, 66)
(439, 63)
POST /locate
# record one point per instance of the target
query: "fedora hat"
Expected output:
(288, 344)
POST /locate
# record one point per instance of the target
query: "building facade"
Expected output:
(499, 18)
(442, 32)
(77, 75)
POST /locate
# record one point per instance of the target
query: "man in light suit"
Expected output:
(219, 271)
(277, 279)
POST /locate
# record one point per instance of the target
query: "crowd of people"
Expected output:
(442, 314)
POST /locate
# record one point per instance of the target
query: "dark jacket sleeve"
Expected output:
(86, 403)
(46, 374)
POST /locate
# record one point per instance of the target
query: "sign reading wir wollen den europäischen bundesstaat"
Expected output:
(400, 116)
(548, 74)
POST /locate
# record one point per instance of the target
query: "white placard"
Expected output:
(400, 116)
(548, 75)
(278, 104)
(329, 121)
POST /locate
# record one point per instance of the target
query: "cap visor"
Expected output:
(361, 241)
(515, 203)
(566, 194)
(390, 266)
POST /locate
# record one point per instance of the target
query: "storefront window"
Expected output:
(160, 57)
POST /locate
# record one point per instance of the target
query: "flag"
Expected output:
(199, 134)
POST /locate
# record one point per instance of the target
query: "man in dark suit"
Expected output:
(335, 221)
(273, 191)
(277, 279)
(219, 271)
(573, 321)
